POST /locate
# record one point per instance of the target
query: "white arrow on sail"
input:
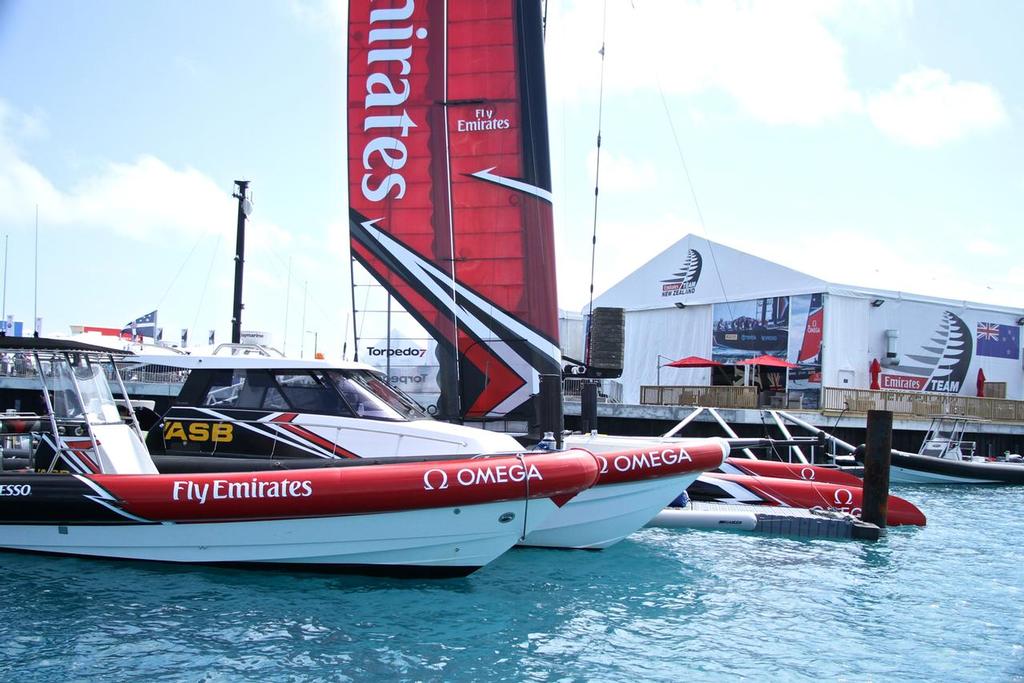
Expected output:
(512, 183)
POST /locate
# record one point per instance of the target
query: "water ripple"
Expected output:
(942, 602)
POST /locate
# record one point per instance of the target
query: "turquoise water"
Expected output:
(942, 603)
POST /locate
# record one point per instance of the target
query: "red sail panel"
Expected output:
(450, 188)
(395, 81)
(504, 244)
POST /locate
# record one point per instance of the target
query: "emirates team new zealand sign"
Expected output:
(685, 280)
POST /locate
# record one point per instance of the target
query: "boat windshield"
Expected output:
(371, 397)
(92, 400)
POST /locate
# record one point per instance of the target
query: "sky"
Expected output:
(872, 143)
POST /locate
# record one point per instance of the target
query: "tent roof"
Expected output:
(696, 271)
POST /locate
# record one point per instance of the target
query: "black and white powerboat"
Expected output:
(947, 457)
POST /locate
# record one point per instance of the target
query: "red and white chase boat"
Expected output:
(86, 485)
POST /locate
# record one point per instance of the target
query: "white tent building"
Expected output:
(700, 298)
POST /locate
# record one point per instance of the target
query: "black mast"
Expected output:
(244, 207)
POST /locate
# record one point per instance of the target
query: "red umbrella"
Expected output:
(693, 362)
(770, 361)
(875, 370)
(981, 383)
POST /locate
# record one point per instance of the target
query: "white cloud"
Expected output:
(778, 61)
(984, 248)
(145, 200)
(171, 231)
(925, 108)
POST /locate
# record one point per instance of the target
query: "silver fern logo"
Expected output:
(684, 281)
(942, 362)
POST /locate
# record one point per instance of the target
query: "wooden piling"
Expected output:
(588, 406)
(551, 414)
(877, 456)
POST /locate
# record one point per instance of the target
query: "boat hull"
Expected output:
(606, 514)
(908, 468)
(428, 516)
(734, 488)
(639, 477)
(787, 470)
(460, 540)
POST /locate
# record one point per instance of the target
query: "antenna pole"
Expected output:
(3, 306)
(35, 295)
(287, 301)
(597, 185)
(243, 211)
(302, 341)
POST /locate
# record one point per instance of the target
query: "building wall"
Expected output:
(671, 333)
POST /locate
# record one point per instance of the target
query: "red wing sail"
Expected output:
(450, 188)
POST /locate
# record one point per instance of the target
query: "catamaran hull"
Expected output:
(606, 514)
(436, 542)
(773, 491)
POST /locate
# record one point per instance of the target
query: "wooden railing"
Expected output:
(715, 397)
(921, 404)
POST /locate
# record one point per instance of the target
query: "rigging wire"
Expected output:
(181, 268)
(597, 176)
(206, 282)
(693, 191)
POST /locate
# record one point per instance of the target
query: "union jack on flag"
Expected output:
(988, 331)
(998, 341)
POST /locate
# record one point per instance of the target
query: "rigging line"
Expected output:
(597, 174)
(693, 191)
(209, 271)
(181, 268)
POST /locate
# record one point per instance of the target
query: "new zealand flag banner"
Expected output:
(998, 341)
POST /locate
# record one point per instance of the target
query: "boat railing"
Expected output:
(608, 391)
(921, 404)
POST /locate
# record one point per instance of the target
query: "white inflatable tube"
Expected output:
(688, 518)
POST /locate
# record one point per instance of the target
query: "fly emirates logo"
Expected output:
(222, 489)
(388, 59)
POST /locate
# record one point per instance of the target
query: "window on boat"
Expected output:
(224, 388)
(370, 396)
(307, 392)
(92, 400)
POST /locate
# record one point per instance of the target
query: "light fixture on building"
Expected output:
(877, 302)
(680, 304)
(1020, 321)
